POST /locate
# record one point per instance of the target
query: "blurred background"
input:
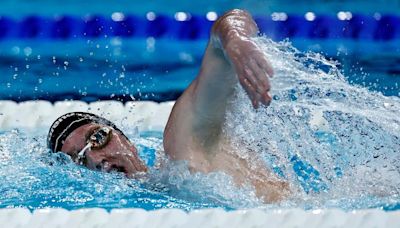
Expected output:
(151, 50)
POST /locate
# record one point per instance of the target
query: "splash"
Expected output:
(32, 177)
(330, 140)
(337, 145)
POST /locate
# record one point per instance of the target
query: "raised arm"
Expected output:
(193, 132)
(231, 55)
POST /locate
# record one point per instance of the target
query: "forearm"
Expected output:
(227, 55)
(217, 76)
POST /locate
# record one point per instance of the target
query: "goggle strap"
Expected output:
(81, 154)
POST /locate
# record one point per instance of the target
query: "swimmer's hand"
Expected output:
(252, 69)
(233, 33)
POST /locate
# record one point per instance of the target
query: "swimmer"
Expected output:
(194, 129)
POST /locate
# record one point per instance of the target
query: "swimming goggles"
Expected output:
(97, 140)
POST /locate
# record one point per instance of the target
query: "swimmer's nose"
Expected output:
(107, 166)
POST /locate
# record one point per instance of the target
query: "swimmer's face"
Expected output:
(117, 153)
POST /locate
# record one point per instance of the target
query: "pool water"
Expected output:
(32, 177)
(157, 69)
(53, 180)
(346, 135)
(336, 144)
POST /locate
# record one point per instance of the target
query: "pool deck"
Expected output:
(151, 116)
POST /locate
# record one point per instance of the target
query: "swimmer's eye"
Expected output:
(99, 138)
(95, 139)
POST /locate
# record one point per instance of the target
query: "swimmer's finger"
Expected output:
(262, 77)
(263, 85)
(267, 98)
(249, 75)
(265, 65)
(247, 87)
(257, 100)
(249, 90)
(255, 86)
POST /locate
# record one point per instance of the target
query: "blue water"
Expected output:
(157, 69)
(350, 164)
(335, 143)
(33, 177)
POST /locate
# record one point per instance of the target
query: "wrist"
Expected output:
(234, 25)
(233, 44)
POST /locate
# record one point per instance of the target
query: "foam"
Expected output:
(153, 116)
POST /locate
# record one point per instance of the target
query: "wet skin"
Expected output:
(194, 129)
(118, 154)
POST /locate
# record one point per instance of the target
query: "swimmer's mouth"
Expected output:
(115, 168)
(112, 168)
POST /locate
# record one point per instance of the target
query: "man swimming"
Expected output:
(194, 129)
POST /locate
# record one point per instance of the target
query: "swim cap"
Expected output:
(67, 123)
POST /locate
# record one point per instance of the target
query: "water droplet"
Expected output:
(27, 51)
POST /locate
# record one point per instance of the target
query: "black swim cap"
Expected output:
(67, 123)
